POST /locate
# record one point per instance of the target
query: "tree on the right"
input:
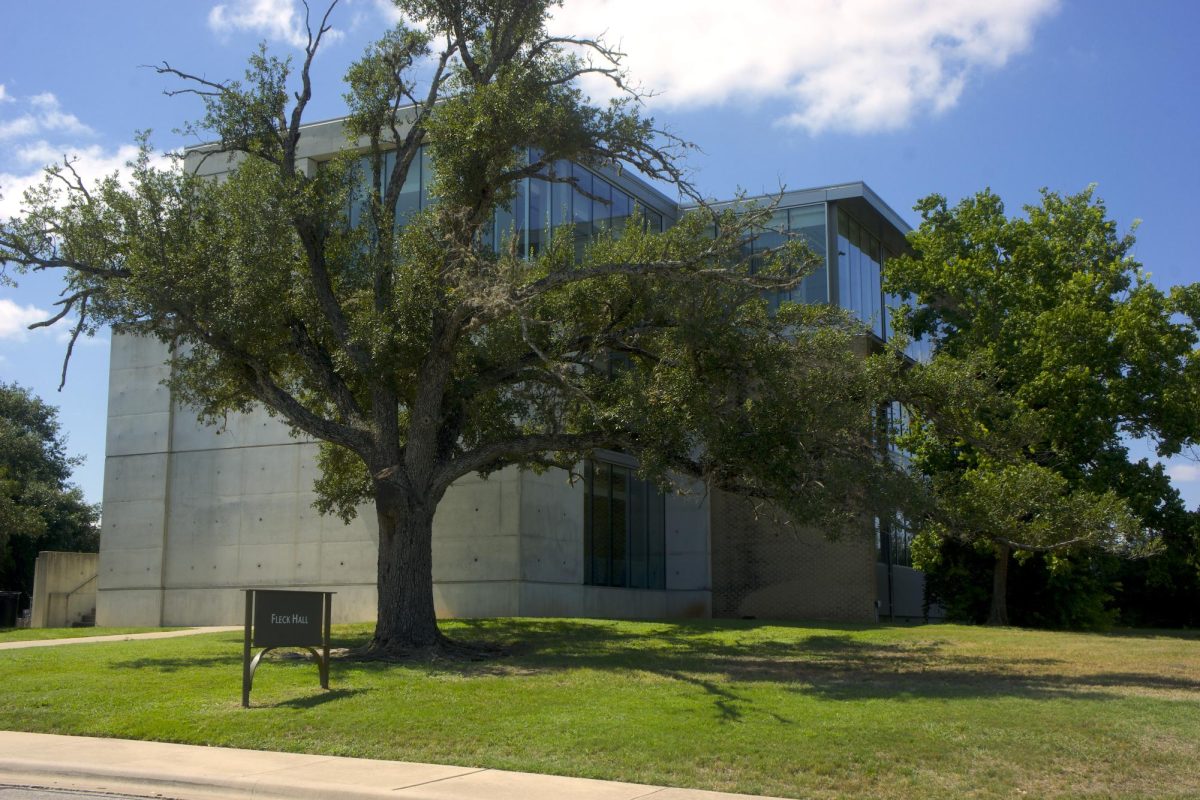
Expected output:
(1053, 352)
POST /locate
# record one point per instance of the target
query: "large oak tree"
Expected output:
(422, 352)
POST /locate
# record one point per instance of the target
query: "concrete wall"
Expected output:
(906, 599)
(64, 589)
(194, 513)
(767, 570)
(135, 484)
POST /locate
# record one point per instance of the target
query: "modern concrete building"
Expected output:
(193, 513)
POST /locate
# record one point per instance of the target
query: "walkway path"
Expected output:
(117, 637)
(188, 772)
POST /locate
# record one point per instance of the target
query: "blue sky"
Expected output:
(911, 96)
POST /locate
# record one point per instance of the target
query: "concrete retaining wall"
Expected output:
(64, 589)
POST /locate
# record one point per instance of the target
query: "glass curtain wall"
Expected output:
(860, 263)
(585, 207)
(540, 207)
(624, 539)
(806, 223)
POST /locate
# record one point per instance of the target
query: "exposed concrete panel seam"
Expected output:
(206, 449)
(241, 447)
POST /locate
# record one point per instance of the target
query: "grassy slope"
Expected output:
(941, 711)
(37, 634)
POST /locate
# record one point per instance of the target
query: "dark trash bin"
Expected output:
(9, 601)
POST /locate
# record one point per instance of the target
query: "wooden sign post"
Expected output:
(285, 618)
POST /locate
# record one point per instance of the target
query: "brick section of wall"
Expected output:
(766, 570)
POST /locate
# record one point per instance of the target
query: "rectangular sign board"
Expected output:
(288, 619)
(285, 618)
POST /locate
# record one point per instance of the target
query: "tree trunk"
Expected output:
(999, 612)
(406, 620)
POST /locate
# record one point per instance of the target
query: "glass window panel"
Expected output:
(843, 259)
(772, 236)
(582, 207)
(855, 257)
(622, 207)
(864, 282)
(815, 287)
(843, 272)
(864, 273)
(358, 191)
(539, 208)
(389, 161)
(589, 488)
(520, 212)
(601, 208)
(876, 292)
(409, 200)
(637, 533)
(808, 222)
(619, 520)
(601, 527)
(560, 196)
(656, 558)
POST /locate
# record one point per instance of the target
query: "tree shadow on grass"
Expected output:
(832, 664)
(174, 664)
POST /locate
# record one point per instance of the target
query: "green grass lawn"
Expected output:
(37, 634)
(796, 711)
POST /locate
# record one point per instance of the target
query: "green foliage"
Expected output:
(39, 509)
(1053, 350)
(1060, 591)
(419, 353)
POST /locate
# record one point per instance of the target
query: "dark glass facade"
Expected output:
(624, 538)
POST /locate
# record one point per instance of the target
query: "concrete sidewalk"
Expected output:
(188, 772)
(116, 637)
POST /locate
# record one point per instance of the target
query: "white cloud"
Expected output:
(849, 65)
(280, 20)
(24, 125)
(92, 163)
(4, 98)
(16, 319)
(45, 115)
(388, 11)
(1183, 473)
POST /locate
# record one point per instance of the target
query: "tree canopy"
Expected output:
(421, 352)
(1070, 352)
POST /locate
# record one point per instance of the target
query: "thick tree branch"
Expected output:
(321, 367)
(492, 455)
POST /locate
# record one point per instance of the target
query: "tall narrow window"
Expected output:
(624, 529)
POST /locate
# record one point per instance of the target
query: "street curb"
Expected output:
(211, 787)
(195, 772)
